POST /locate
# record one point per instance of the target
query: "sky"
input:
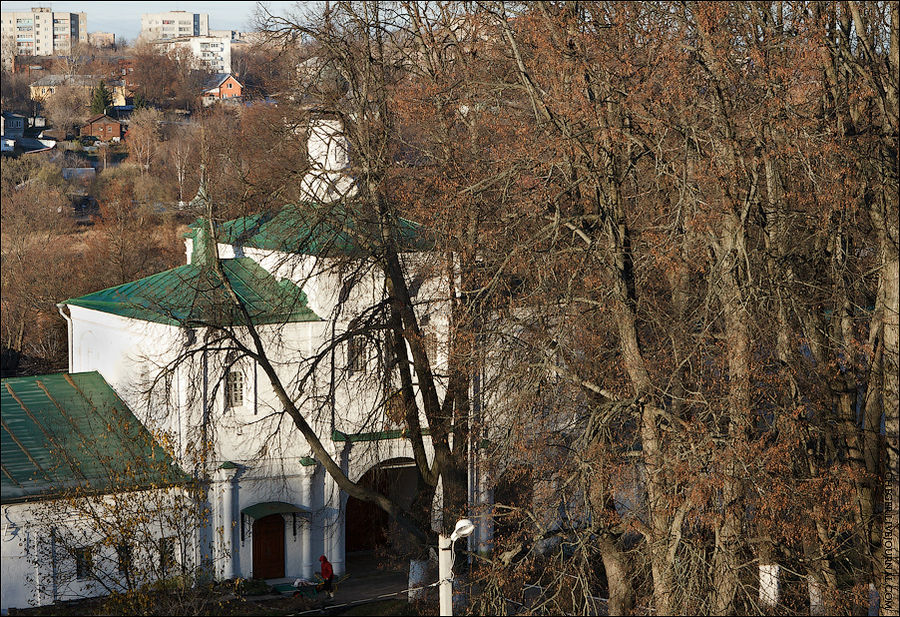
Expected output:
(124, 18)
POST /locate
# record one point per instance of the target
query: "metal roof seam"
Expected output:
(76, 468)
(114, 461)
(41, 385)
(24, 450)
(8, 475)
(93, 408)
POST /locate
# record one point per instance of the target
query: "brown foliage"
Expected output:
(170, 80)
(67, 108)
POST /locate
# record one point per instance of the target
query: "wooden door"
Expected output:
(268, 547)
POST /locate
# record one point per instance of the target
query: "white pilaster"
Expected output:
(227, 527)
(337, 502)
(306, 552)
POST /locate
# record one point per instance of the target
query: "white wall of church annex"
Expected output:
(38, 568)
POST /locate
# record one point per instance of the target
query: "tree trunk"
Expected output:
(621, 594)
(890, 541)
(737, 337)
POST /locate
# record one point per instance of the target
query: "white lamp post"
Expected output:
(464, 528)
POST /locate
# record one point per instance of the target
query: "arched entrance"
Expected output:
(367, 526)
(268, 535)
(268, 547)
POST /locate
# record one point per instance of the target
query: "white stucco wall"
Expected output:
(14, 565)
(37, 572)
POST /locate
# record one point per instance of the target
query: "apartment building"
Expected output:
(212, 50)
(43, 31)
(240, 41)
(173, 24)
(234, 35)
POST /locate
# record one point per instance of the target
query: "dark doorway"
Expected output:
(268, 547)
(367, 526)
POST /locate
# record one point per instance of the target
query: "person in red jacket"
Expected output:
(327, 576)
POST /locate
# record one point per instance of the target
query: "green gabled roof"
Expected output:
(194, 295)
(312, 229)
(68, 434)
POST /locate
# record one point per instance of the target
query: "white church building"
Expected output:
(167, 345)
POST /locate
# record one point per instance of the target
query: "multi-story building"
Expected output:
(43, 31)
(173, 24)
(212, 50)
(45, 87)
(102, 39)
(234, 35)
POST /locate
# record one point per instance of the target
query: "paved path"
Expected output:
(367, 583)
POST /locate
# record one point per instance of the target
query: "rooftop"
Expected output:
(317, 230)
(217, 80)
(97, 117)
(71, 431)
(193, 295)
(75, 80)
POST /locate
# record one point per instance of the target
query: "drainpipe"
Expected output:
(62, 311)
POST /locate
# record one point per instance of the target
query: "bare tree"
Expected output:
(67, 107)
(144, 137)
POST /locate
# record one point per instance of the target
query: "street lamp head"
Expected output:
(464, 528)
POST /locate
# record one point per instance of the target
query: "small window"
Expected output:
(356, 354)
(124, 556)
(234, 389)
(84, 562)
(229, 86)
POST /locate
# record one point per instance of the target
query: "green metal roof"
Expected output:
(312, 229)
(337, 435)
(70, 433)
(194, 295)
(260, 510)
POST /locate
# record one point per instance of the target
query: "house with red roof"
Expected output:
(222, 87)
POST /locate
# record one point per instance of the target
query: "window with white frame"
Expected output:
(234, 389)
